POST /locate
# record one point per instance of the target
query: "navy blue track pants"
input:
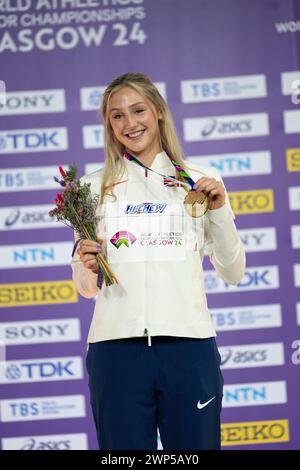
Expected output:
(175, 386)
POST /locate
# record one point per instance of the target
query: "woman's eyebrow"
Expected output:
(131, 106)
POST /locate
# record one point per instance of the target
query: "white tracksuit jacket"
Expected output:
(161, 285)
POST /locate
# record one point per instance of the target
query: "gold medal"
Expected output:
(196, 203)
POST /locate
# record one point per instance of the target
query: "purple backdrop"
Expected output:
(232, 66)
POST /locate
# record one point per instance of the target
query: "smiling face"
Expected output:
(134, 121)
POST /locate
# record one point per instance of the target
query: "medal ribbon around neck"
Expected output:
(196, 203)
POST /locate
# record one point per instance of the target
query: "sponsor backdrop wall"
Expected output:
(230, 71)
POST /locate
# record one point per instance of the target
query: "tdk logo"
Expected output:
(39, 369)
(256, 278)
(145, 208)
(33, 140)
(68, 368)
(13, 372)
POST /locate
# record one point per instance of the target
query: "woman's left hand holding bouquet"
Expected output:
(87, 252)
(76, 207)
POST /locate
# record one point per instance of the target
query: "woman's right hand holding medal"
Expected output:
(214, 191)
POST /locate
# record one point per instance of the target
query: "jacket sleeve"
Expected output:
(223, 243)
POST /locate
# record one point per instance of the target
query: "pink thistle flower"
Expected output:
(59, 199)
(62, 171)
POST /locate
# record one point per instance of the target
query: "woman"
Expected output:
(152, 359)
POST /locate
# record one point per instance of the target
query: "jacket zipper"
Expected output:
(146, 333)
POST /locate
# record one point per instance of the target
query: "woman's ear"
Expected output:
(159, 115)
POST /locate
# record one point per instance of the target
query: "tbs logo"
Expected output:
(24, 409)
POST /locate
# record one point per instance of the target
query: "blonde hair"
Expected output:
(114, 150)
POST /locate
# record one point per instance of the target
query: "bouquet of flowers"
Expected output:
(76, 208)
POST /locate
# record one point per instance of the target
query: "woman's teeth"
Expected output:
(132, 135)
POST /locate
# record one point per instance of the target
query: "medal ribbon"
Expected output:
(190, 183)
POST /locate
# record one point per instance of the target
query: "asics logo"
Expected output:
(203, 405)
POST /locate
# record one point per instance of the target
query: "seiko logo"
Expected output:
(38, 293)
(255, 432)
(252, 201)
(293, 159)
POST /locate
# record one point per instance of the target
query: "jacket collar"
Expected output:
(161, 161)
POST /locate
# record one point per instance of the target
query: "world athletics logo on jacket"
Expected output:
(145, 208)
(123, 238)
